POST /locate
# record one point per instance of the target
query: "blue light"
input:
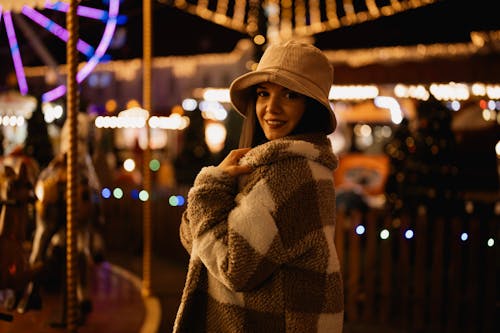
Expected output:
(180, 200)
(176, 200)
(121, 19)
(105, 58)
(106, 193)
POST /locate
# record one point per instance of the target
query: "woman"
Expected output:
(259, 227)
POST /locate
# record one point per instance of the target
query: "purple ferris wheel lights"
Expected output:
(16, 55)
(112, 20)
(94, 55)
(54, 93)
(84, 11)
(56, 29)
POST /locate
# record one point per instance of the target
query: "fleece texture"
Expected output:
(262, 253)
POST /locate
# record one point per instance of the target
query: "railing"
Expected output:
(419, 273)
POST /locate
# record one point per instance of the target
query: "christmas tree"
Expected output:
(423, 161)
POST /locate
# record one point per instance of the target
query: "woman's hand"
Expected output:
(230, 163)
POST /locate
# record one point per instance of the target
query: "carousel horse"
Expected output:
(49, 241)
(16, 194)
(15, 159)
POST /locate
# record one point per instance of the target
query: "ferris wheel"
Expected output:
(14, 15)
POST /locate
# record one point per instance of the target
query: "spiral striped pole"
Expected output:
(146, 99)
(72, 176)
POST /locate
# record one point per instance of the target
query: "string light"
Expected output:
(106, 193)
(350, 17)
(176, 200)
(409, 234)
(384, 234)
(118, 193)
(393, 106)
(272, 10)
(450, 91)
(286, 25)
(17, 5)
(143, 195)
(372, 8)
(129, 165)
(331, 14)
(315, 15)
(239, 12)
(353, 92)
(253, 17)
(154, 165)
(216, 94)
(360, 229)
(411, 91)
(300, 16)
(221, 12)
(189, 104)
(310, 17)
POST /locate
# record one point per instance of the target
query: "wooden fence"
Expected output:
(414, 273)
(420, 273)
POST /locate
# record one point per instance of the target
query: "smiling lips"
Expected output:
(275, 123)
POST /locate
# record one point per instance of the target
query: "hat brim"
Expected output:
(240, 90)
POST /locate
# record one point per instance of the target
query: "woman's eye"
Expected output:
(291, 95)
(262, 93)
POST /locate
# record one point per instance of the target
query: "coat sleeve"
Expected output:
(185, 233)
(211, 202)
(236, 239)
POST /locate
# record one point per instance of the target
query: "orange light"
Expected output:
(483, 104)
(177, 109)
(12, 269)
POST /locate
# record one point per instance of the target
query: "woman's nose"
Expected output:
(273, 104)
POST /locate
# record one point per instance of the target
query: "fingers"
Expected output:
(237, 154)
(230, 163)
(234, 157)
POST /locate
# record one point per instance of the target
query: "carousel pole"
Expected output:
(72, 183)
(146, 98)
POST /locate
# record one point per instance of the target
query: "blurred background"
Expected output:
(417, 98)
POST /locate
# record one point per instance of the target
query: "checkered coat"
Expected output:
(262, 252)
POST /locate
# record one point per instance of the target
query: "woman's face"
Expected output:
(278, 109)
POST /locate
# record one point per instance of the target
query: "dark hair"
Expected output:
(315, 119)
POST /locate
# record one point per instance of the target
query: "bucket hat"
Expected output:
(298, 66)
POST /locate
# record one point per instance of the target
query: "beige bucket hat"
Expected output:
(298, 66)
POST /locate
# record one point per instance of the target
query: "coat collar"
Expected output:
(314, 147)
